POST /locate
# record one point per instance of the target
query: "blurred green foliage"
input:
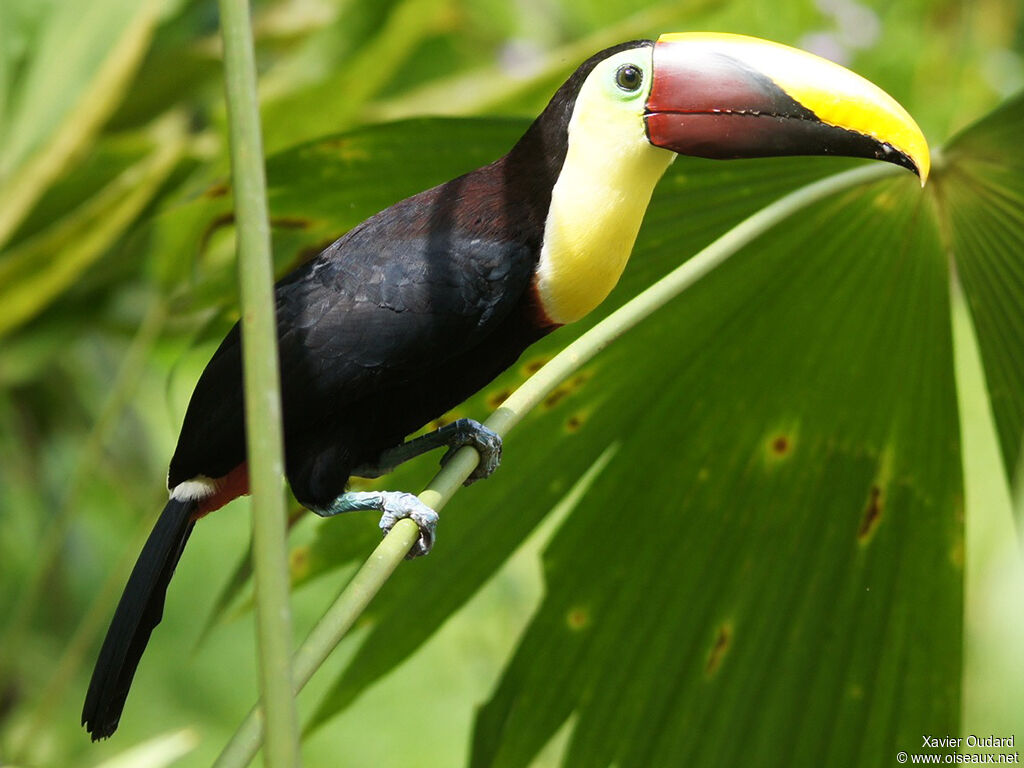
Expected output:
(116, 281)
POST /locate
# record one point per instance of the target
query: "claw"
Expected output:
(398, 506)
(395, 505)
(486, 441)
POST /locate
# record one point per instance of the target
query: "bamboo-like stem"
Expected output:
(328, 632)
(372, 575)
(262, 387)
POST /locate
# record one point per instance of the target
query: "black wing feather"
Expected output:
(381, 305)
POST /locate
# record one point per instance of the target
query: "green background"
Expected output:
(774, 525)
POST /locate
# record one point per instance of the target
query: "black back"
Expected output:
(399, 320)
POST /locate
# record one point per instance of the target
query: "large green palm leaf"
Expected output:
(778, 534)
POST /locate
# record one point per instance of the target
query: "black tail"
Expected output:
(140, 609)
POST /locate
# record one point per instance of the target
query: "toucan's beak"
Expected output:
(728, 96)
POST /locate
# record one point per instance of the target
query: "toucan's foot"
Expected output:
(402, 505)
(459, 433)
(395, 505)
(486, 441)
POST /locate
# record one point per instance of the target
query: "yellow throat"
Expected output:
(602, 192)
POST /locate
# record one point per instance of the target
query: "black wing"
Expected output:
(371, 312)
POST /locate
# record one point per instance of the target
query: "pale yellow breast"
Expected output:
(597, 206)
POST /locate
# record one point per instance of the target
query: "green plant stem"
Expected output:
(368, 580)
(262, 387)
(328, 632)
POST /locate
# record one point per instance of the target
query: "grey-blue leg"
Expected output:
(394, 505)
(459, 433)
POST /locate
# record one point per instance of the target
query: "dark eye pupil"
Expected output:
(628, 77)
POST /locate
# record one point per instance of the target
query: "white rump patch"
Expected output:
(199, 487)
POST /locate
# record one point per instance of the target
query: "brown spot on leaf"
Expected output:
(556, 397)
(530, 367)
(298, 562)
(290, 222)
(872, 515)
(295, 514)
(574, 422)
(578, 618)
(442, 421)
(496, 398)
(956, 553)
(10, 698)
(224, 220)
(219, 189)
(567, 388)
(342, 148)
(580, 379)
(722, 642)
(777, 446)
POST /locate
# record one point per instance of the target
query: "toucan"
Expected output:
(424, 303)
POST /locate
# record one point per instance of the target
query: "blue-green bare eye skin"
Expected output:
(629, 77)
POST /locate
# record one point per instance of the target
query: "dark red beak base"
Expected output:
(708, 104)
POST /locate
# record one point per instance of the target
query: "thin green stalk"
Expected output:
(368, 580)
(262, 387)
(1017, 489)
(328, 632)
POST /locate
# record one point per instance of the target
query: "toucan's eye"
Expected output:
(628, 77)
